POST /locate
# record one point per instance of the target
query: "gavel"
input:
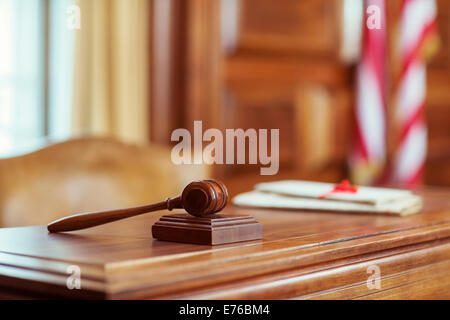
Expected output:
(199, 198)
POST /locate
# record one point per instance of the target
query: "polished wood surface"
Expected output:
(199, 198)
(85, 175)
(302, 255)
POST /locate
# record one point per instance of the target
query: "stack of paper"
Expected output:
(316, 196)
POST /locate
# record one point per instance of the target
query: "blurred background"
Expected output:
(132, 71)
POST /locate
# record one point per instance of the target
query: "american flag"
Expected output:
(369, 154)
(417, 41)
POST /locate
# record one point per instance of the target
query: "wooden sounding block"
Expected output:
(208, 230)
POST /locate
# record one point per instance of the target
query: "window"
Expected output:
(27, 118)
(21, 74)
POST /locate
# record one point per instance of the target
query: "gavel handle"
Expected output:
(92, 219)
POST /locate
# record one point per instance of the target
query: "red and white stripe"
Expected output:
(418, 24)
(369, 154)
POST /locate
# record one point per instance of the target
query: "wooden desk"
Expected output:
(302, 255)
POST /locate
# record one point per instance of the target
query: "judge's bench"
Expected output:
(303, 255)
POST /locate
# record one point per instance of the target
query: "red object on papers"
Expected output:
(344, 186)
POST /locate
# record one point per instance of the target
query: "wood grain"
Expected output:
(302, 255)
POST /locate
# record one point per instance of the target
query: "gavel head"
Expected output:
(203, 197)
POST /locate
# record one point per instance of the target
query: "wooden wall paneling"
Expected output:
(241, 69)
(442, 58)
(262, 106)
(438, 104)
(242, 63)
(203, 63)
(203, 68)
(167, 68)
(324, 121)
(219, 61)
(295, 89)
(314, 124)
(295, 27)
(285, 63)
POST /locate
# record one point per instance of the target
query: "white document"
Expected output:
(306, 195)
(309, 189)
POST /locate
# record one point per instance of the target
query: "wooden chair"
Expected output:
(85, 175)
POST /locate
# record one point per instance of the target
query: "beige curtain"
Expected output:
(112, 70)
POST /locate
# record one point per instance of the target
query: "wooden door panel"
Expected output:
(315, 121)
(442, 58)
(262, 107)
(293, 27)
